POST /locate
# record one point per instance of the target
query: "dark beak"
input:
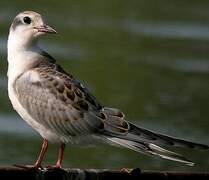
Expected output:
(46, 29)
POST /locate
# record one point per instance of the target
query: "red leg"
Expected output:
(60, 156)
(40, 157)
(41, 154)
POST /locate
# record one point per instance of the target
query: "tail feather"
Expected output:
(138, 133)
(119, 131)
(151, 149)
(156, 150)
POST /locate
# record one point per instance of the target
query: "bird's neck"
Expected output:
(21, 56)
(19, 43)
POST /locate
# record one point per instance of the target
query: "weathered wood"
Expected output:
(92, 174)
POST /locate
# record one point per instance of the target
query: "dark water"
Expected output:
(148, 58)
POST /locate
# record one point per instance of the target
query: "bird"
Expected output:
(62, 110)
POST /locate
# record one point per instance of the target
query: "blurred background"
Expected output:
(149, 58)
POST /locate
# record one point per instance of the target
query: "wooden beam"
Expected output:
(93, 174)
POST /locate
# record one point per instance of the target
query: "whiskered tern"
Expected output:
(61, 109)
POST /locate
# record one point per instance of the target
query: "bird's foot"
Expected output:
(126, 170)
(57, 166)
(28, 167)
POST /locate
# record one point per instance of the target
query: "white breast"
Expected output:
(45, 133)
(20, 59)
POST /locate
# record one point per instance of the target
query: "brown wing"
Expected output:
(58, 101)
(66, 83)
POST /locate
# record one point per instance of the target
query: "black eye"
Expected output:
(27, 20)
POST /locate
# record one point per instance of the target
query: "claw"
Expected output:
(54, 167)
(126, 170)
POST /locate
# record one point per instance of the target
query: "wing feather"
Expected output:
(58, 101)
(61, 104)
(118, 127)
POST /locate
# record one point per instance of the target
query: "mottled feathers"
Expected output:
(62, 104)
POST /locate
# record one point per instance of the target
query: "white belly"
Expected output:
(45, 133)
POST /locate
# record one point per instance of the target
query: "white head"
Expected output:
(22, 48)
(26, 28)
